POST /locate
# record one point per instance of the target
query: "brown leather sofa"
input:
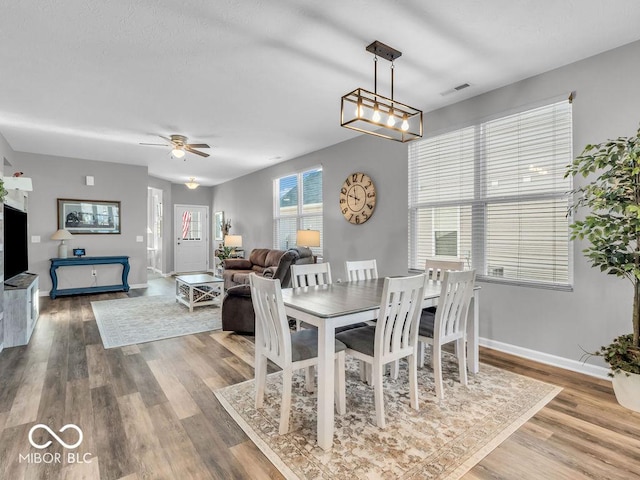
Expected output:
(265, 262)
(237, 307)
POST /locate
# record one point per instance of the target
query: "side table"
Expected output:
(199, 290)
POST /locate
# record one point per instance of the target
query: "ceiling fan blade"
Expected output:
(165, 138)
(156, 144)
(197, 152)
(197, 145)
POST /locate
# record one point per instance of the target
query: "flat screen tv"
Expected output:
(16, 258)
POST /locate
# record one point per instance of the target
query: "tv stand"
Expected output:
(71, 262)
(21, 309)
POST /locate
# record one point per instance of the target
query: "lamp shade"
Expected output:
(308, 238)
(62, 234)
(233, 241)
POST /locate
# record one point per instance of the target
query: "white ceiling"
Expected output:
(261, 80)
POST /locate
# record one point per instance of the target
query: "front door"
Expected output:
(191, 231)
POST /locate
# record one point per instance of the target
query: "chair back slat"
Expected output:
(435, 269)
(310, 275)
(273, 338)
(397, 324)
(361, 270)
(453, 303)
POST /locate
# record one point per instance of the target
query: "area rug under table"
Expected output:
(127, 321)
(443, 440)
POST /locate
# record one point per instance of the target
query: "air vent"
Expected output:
(455, 89)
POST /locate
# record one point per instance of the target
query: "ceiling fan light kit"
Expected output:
(372, 113)
(180, 146)
(178, 152)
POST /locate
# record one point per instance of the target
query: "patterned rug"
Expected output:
(441, 441)
(127, 321)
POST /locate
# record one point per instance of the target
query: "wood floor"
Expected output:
(148, 411)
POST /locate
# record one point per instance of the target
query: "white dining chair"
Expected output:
(448, 323)
(366, 270)
(290, 351)
(310, 274)
(394, 336)
(434, 269)
(361, 270)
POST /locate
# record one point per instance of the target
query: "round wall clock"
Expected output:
(357, 198)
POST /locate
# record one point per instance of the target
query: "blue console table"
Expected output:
(71, 262)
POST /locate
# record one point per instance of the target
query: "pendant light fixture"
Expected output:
(191, 184)
(372, 113)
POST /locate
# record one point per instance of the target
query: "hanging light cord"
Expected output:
(375, 74)
(392, 66)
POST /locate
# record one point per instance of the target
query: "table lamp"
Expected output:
(308, 238)
(62, 235)
(233, 241)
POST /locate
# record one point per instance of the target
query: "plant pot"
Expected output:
(627, 389)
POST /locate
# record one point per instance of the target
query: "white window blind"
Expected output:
(494, 195)
(297, 206)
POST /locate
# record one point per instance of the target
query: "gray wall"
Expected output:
(551, 322)
(248, 202)
(58, 177)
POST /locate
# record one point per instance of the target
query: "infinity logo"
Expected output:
(60, 441)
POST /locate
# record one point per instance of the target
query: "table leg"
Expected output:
(190, 298)
(473, 334)
(326, 372)
(54, 282)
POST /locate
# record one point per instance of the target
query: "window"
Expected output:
(494, 195)
(297, 206)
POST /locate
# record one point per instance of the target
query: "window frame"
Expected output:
(481, 202)
(300, 215)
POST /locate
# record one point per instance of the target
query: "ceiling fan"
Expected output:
(180, 146)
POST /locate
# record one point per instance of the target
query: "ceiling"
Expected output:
(261, 80)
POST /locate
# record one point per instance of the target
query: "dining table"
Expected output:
(339, 304)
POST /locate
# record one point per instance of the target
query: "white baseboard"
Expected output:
(1, 346)
(139, 285)
(546, 358)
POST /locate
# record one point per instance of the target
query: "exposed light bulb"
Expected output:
(376, 113)
(178, 152)
(359, 108)
(391, 121)
(405, 123)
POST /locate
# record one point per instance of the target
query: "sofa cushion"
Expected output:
(258, 256)
(273, 258)
(236, 264)
(241, 277)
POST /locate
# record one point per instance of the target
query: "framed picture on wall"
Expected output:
(89, 216)
(217, 226)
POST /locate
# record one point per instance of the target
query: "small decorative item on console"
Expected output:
(79, 252)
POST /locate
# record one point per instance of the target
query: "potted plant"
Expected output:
(3, 191)
(612, 228)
